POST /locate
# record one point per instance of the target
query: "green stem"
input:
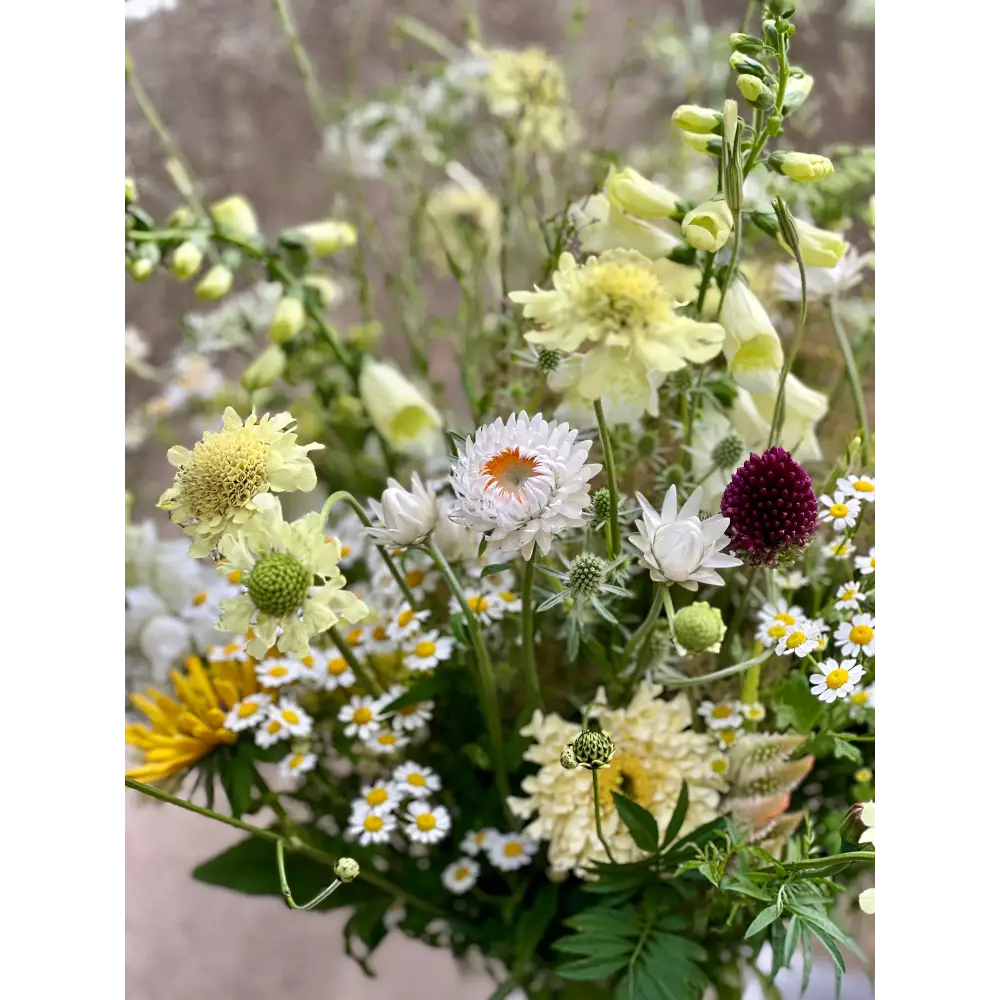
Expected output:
(731, 270)
(609, 462)
(287, 892)
(649, 623)
(851, 369)
(716, 675)
(832, 859)
(382, 551)
(484, 672)
(734, 625)
(314, 92)
(706, 281)
(363, 674)
(528, 632)
(597, 818)
(778, 418)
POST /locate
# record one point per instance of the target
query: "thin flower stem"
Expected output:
(851, 369)
(609, 462)
(832, 859)
(373, 879)
(287, 892)
(486, 681)
(597, 817)
(382, 551)
(733, 261)
(734, 625)
(706, 281)
(646, 627)
(778, 419)
(314, 92)
(716, 675)
(528, 631)
(363, 674)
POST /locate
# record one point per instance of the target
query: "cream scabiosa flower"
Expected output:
(278, 562)
(219, 482)
(522, 481)
(620, 299)
(398, 411)
(655, 753)
(625, 387)
(404, 517)
(677, 547)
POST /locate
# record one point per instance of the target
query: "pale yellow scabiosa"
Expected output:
(398, 410)
(625, 387)
(218, 480)
(619, 300)
(656, 752)
(184, 729)
(278, 563)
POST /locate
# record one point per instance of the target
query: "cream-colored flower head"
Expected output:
(216, 481)
(656, 752)
(620, 299)
(529, 88)
(461, 223)
(278, 564)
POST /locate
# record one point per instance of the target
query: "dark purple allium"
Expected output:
(771, 507)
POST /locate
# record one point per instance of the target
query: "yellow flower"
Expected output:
(630, 192)
(656, 752)
(278, 563)
(184, 729)
(600, 226)
(461, 222)
(804, 167)
(708, 225)
(216, 482)
(620, 299)
(696, 119)
(235, 215)
(819, 247)
(398, 410)
(529, 88)
(328, 236)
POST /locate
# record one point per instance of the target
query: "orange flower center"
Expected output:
(509, 470)
(414, 577)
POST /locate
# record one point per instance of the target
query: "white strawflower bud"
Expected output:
(404, 517)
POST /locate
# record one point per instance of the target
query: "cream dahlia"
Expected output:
(656, 752)
(522, 481)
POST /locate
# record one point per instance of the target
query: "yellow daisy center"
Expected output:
(414, 577)
(387, 739)
(416, 779)
(862, 775)
(336, 666)
(405, 618)
(795, 639)
(376, 796)
(379, 634)
(839, 510)
(836, 678)
(862, 487)
(619, 295)
(307, 661)
(722, 712)
(785, 619)
(849, 594)
(353, 638)
(277, 671)
(296, 761)
(513, 849)
(728, 736)
(247, 709)
(362, 715)
(373, 824)
(860, 698)
(509, 470)
(426, 821)
(345, 551)
(625, 774)
(861, 635)
(233, 647)
(199, 599)
(478, 604)
(273, 727)
(841, 549)
(720, 765)
(461, 873)
(234, 576)
(425, 649)
(408, 709)
(224, 472)
(292, 718)
(506, 595)
(776, 631)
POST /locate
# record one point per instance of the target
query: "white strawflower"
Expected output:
(523, 481)
(678, 547)
(404, 517)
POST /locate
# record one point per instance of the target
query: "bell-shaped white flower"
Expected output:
(751, 347)
(677, 546)
(404, 517)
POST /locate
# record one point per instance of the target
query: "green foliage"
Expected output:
(236, 773)
(794, 706)
(639, 821)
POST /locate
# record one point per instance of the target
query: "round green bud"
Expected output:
(594, 749)
(601, 505)
(568, 759)
(698, 627)
(682, 379)
(728, 452)
(347, 869)
(265, 370)
(586, 574)
(548, 360)
(186, 260)
(278, 584)
(747, 44)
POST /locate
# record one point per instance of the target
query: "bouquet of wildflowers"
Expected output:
(563, 659)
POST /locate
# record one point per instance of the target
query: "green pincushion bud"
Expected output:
(728, 452)
(347, 869)
(601, 505)
(698, 627)
(278, 584)
(586, 574)
(548, 360)
(594, 749)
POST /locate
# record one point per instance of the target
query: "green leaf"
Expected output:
(765, 918)
(742, 885)
(534, 921)
(698, 837)
(839, 966)
(495, 568)
(639, 821)
(846, 751)
(457, 624)
(591, 946)
(605, 921)
(236, 772)
(795, 706)
(678, 816)
(791, 941)
(483, 543)
(423, 690)
(807, 959)
(666, 968)
(706, 869)
(593, 968)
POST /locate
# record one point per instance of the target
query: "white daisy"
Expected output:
(838, 548)
(868, 818)
(276, 673)
(793, 580)
(371, 826)
(837, 680)
(426, 824)
(841, 511)
(723, 715)
(776, 621)
(292, 717)
(429, 650)
(849, 596)
(361, 714)
(233, 652)
(247, 713)
(753, 711)
(416, 781)
(856, 637)
(477, 840)
(487, 607)
(509, 851)
(296, 763)
(406, 623)
(419, 575)
(507, 600)
(335, 672)
(802, 639)
(205, 606)
(460, 876)
(386, 741)
(377, 640)
(862, 701)
(862, 487)
(522, 482)
(353, 538)
(409, 718)
(379, 797)
(727, 737)
(865, 565)
(270, 732)
(719, 764)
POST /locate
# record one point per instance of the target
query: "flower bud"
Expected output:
(852, 828)
(788, 235)
(819, 247)
(757, 93)
(727, 452)
(328, 236)
(347, 869)
(548, 360)
(265, 370)
(131, 195)
(698, 627)
(215, 283)
(403, 517)
(730, 124)
(630, 192)
(803, 167)
(601, 505)
(141, 268)
(235, 215)
(568, 759)
(398, 410)
(781, 8)
(692, 118)
(325, 287)
(364, 336)
(797, 89)
(594, 749)
(744, 64)
(708, 225)
(710, 144)
(186, 260)
(747, 44)
(289, 317)
(586, 574)
(181, 218)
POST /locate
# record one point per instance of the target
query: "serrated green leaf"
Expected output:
(591, 945)
(817, 920)
(534, 921)
(593, 968)
(640, 822)
(706, 869)
(846, 751)
(677, 817)
(765, 918)
(609, 922)
(423, 690)
(495, 568)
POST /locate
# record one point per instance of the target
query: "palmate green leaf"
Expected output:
(765, 918)
(640, 822)
(677, 817)
(592, 946)
(602, 920)
(665, 967)
(846, 751)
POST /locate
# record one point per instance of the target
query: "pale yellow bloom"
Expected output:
(461, 222)
(708, 225)
(752, 347)
(819, 247)
(625, 387)
(630, 192)
(328, 236)
(697, 120)
(398, 410)
(804, 408)
(218, 480)
(656, 752)
(601, 226)
(235, 215)
(803, 167)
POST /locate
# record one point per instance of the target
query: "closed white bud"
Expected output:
(404, 517)
(692, 118)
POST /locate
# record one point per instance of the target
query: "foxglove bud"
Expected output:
(328, 236)
(186, 260)
(757, 93)
(701, 121)
(797, 89)
(803, 167)
(235, 215)
(747, 44)
(741, 64)
(709, 144)
(630, 192)
(325, 287)
(131, 195)
(707, 227)
(289, 317)
(265, 370)
(215, 283)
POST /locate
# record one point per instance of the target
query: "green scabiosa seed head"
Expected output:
(727, 453)
(698, 627)
(594, 749)
(548, 360)
(586, 574)
(278, 584)
(601, 505)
